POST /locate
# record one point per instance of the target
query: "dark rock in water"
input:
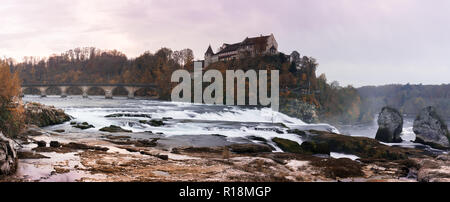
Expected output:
(83, 126)
(249, 148)
(59, 131)
(297, 132)
(41, 143)
(431, 130)
(287, 145)
(42, 115)
(390, 125)
(114, 129)
(315, 148)
(256, 138)
(8, 156)
(80, 146)
(55, 144)
(270, 129)
(128, 115)
(146, 143)
(160, 156)
(154, 123)
(31, 155)
(362, 147)
(214, 150)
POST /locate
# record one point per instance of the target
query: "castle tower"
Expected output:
(208, 56)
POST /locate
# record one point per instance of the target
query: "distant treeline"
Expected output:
(91, 65)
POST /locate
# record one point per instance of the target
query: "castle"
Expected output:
(249, 47)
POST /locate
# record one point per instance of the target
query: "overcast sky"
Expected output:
(355, 42)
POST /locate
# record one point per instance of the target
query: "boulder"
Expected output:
(55, 144)
(153, 122)
(82, 126)
(41, 143)
(430, 129)
(114, 129)
(315, 148)
(42, 115)
(287, 145)
(8, 156)
(390, 125)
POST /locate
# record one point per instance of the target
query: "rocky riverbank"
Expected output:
(53, 156)
(58, 155)
(42, 115)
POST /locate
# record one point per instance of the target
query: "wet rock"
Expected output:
(128, 115)
(59, 131)
(42, 115)
(41, 143)
(249, 148)
(315, 148)
(256, 138)
(215, 150)
(270, 129)
(360, 146)
(80, 146)
(431, 130)
(160, 156)
(114, 129)
(8, 156)
(153, 122)
(55, 144)
(287, 145)
(146, 143)
(390, 125)
(83, 126)
(30, 155)
(297, 132)
(112, 137)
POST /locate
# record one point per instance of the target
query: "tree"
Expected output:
(11, 118)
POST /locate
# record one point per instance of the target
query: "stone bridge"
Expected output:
(107, 88)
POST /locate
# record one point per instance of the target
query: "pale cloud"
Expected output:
(355, 42)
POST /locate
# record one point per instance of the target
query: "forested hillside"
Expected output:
(298, 82)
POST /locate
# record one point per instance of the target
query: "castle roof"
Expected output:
(230, 48)
(209, 51)
(260, 40)
(255, 40)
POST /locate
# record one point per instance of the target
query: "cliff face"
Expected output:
(42, 115)
(299, 109)
(8, 156)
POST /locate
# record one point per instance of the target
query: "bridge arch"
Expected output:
(130, 90)
(92, 91)
(30, 91)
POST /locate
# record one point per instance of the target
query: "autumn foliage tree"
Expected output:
(11, 112)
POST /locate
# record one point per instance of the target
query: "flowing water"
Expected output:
(199, 124)
(236, 124)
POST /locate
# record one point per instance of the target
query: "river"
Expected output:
(192, 121)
